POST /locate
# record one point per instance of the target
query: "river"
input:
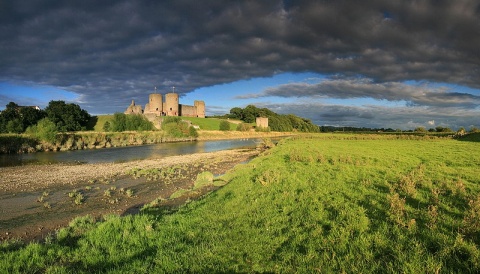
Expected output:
(124, 154)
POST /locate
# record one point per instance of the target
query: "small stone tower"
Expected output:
(262, 122)
(133, 109)
(200, 107)
(155, 104)
(171, 104)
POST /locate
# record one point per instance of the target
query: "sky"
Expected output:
(393, 64)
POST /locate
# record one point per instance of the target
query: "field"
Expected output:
(317, 203)
(210, 123)
(100, 122)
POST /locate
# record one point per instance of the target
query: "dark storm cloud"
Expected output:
(421, 95)
(111, 51)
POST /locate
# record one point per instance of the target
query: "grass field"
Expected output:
(100, 122)
(210, 123)
(318, 203)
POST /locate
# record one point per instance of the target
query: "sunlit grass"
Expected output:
(320, 203)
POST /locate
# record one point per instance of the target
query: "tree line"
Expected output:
(65, 117)
(276, 122)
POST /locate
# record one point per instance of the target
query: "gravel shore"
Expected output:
(34, 200)
(37, 177)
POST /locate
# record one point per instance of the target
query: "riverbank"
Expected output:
(36, 199)
(206, 135)
(22, 143)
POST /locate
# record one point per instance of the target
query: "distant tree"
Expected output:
(474, 129)
(443, 129)
(119, 122)
(14, 126)
(67, 117)
(420, 129)
(461, 131)
(276, 122)
(106, 126)
(30, 116)
(224, 125)
(16, 119)
(447, 129)
(250, 113)
(236, 113)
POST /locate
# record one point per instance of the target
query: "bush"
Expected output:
(175, 127)
(45, 130)
(243, 127)
(106, 126)
(224, 125)
(122, 122)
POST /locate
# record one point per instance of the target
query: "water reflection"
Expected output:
(123, 154)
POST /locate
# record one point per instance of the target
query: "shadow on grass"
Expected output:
(472, 137)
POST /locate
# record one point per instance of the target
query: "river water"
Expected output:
(124, 154)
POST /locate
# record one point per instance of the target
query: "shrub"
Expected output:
(243, 127)
(175, 127)
(106, 126)
(123, 122)
(45, 130)
(193, 132)
(224, 125)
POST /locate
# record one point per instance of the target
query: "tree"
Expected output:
(236, 113)
(14, 126)
(67, 117)
(30, 116)
(106, 126)
(420, 129)
(276, 122)
(119, 122)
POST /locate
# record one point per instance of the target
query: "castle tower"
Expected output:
(155, 104)
(134, 109)
(171, 104)
(200, 107)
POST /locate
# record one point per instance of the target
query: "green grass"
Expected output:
(208, 123)
(319, 203)
(100, 122)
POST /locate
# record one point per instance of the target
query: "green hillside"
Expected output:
(320, 203)
(208, 123)
(100, 122)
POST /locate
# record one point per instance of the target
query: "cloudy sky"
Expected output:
(373, 63)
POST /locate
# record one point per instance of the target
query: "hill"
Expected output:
(276, 122)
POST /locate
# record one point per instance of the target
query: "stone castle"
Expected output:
(156, 106)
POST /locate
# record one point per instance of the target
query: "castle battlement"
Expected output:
(156, 106)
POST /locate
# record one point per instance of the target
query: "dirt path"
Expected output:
(36, 200)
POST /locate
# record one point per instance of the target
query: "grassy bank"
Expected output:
(222, 135)
(23, 143)
(319, 203)
(16, 143)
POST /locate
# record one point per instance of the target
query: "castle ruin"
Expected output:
(170, 107)
(262, 122)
